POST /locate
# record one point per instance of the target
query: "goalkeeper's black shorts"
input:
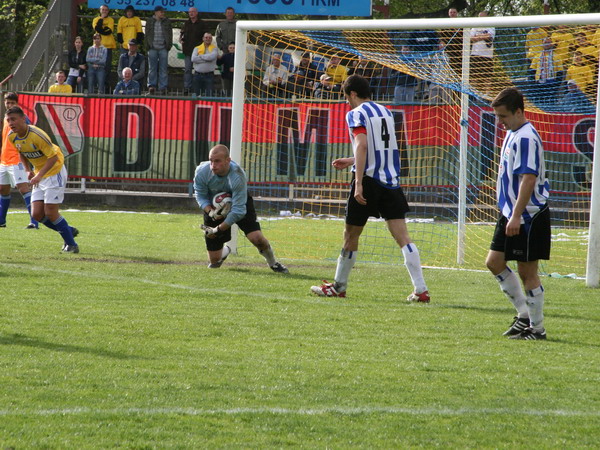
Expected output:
(247, 224)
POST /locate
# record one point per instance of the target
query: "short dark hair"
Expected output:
(230, 8)
(64, 72)
(511, 98)
(358, 84)
(15, 110)
(11, 96)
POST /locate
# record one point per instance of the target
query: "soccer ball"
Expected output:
(222, 203)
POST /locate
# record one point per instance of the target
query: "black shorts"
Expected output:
(247, 224)
(532, 242)
(381, 202)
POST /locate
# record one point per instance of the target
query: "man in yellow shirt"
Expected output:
(61, 87)
(581, 73)
(48, 177)
(336, 71)
(129, 27)
(12, 171)
(105, 26)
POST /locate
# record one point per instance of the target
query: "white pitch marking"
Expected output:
(75, 411)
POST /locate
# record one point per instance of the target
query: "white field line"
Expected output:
(367, 410)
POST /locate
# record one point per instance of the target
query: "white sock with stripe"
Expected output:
(412, 261)
(535, 305)
(345, 263)
(510, 285)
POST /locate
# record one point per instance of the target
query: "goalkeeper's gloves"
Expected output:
(215, 214)
(210, 232)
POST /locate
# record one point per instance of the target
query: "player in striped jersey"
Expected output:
(12, 171)
(375, 189)
(48, 176)
(523, 229)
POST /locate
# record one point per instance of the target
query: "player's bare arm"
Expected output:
(45, 168)
(342, 163)
(360, 156)
(526, 188)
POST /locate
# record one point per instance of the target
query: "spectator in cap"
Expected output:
(129, 27)
(159, 40)
(135, 61)
(227, 62)
(191, 37)
(304, 76)
(325, 88)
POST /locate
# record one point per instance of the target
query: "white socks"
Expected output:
(412, 261)
(269, 256)
(535, 305)
(510, 285)
(345, 263)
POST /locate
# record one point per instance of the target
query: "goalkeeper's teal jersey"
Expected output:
(207, 185)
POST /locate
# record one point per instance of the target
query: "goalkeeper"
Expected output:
(221, 174)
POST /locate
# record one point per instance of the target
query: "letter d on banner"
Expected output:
(132, 138)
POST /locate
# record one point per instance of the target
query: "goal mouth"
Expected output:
(438, 77)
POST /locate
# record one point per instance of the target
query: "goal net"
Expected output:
(438, 77)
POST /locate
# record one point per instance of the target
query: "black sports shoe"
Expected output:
(75, 231)
(279, 268)
(529, 334)
(3, 225)
(70, 249)
(517, 326)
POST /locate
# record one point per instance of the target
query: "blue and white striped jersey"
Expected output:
(383, 156)
(522, 153)
(207, 185)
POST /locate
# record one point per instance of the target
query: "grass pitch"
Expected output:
(135, 343)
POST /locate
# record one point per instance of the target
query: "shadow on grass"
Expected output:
(27, 341)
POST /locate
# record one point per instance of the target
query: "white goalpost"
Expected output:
(450, 168)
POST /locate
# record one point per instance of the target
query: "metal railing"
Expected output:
(44, 50)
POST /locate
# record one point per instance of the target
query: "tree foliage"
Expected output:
(18, 19)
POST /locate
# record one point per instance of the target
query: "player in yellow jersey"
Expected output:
(48, 177)
(12, 171)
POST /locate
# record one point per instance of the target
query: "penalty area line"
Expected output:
(80, 411)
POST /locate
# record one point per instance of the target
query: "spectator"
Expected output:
(325, 89)
(581, 73)
(564, 42)
(128, 28)
(105, 26)
(482, 57)
(304, 76)
(438, 94)
(534, 46)
(587, 49)
(204, 59)
(423, 41)
(225, 33)
(227, 63)
(61, 86)
(452, 41)
(135, 61)
(77, 66)
(159, 40)
(364, 68)
(276, 77)
(576, 101)
(127, 86)
(405, 85)
(191, 37)
(548, 72)
(336, 71)
(96, 61)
